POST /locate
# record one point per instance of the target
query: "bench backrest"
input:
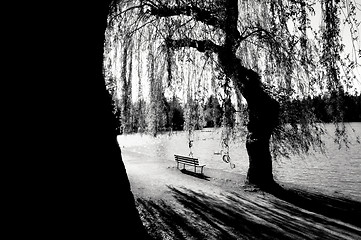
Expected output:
(185, 159)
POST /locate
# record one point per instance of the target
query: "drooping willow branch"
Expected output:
(197, 13)
(200, 45)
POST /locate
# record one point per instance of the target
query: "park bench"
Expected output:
(188, 161)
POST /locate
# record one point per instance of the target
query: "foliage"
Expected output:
(193, 115)
(175, 46)
(212, 112)
(321, 109)
(176, 118)
(152, 117)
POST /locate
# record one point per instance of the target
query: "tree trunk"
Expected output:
(86, 188)
(263, 116)
(263, 113)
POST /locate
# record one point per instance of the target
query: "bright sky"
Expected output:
(315, 22)
(346, 39)
(345, 33)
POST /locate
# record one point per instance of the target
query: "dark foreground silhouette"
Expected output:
(288, 214)
(77, 186)
(75, 180)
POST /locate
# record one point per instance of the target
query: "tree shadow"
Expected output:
(197, 215)
(194, 174)
(337, 207)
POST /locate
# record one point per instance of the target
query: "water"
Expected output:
(338, 171)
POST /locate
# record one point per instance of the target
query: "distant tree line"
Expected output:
(172, 115)
(150, 117)
(324, 107)
(168, 115)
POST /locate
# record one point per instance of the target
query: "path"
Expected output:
(174, 205)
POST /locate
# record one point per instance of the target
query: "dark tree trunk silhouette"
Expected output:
(111, 202)
(263, 115)
(83, 188)
(262, 109)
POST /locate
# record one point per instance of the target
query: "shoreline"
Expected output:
(134, 157)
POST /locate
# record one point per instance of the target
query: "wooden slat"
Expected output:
(187, 159)
(184, 157)
(189, 163)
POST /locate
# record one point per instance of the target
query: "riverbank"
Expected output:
(177, 205)
(337, 171)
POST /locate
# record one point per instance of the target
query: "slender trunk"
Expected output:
(263, 115)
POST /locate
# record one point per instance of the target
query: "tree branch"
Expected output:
(257, 30)
(200, 45)
(197, 13)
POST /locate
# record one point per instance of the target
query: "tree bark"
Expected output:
(263, 113)
(262, 109)
(263, 116)
(83, 188)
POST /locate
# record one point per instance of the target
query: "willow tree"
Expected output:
(269, 52)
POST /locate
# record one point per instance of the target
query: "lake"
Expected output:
(337, 171)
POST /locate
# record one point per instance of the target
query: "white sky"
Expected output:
(346, 39)
(315, 22)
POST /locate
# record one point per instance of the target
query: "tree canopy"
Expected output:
(181, 47)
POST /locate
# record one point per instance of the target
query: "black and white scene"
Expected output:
(206, 119)
(239, 119)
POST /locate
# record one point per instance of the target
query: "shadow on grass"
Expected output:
(340, 208)
(196, 215)
(194, 174)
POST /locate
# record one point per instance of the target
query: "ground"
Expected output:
(180, 205)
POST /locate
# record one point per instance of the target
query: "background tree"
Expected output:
(213, 112)
(176, 117)
(268, 52)
(139, 116)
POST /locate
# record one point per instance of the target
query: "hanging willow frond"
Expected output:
(177, 44)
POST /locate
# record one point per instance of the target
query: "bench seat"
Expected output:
(188, 161)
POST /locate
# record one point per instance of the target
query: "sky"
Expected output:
(346, 39)
(315, 22)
